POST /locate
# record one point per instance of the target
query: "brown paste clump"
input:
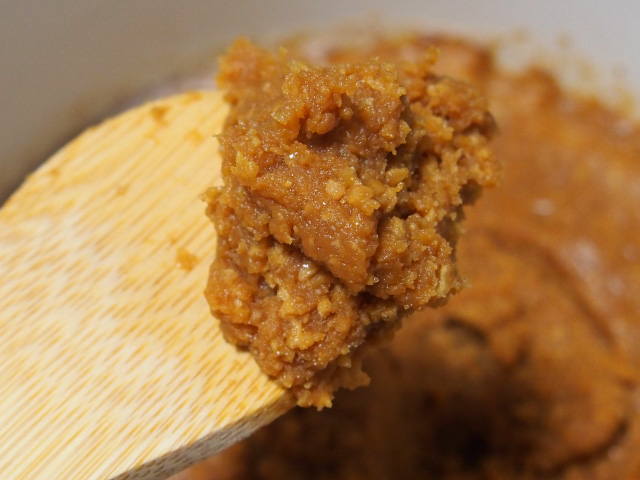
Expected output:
(343, 186)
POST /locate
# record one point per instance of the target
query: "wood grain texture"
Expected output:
(111, 365)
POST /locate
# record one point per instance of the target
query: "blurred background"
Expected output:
(66, 64)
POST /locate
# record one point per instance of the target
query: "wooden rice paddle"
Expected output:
(111, 365)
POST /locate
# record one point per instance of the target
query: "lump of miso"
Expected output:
(339, 214)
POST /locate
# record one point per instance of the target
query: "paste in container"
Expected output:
(533, 372)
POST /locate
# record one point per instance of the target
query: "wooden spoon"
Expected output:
(111, 365)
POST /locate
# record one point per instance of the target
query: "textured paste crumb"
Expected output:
(343, 189)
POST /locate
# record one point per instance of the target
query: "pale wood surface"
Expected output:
(110, 362)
